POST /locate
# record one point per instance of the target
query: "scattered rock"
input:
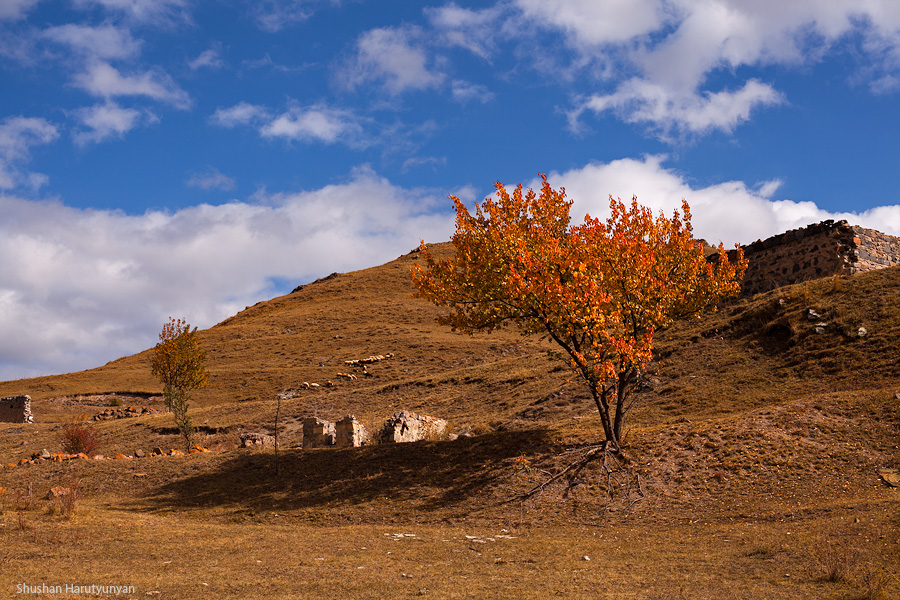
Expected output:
(123, 413)
(249, 440)
(890, 476)
(862, 332)
(56, 492)
(812, 315)
(139, 454)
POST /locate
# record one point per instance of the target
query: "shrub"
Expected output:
(79, 437)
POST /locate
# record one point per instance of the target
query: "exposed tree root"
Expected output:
(620, 480)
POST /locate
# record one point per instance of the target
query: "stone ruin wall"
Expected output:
(16, 409)
(819, 250)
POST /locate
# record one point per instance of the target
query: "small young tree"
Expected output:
(598, 290)
(179, 364)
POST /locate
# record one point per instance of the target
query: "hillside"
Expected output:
(754, 425)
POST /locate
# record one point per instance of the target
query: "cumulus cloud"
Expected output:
(730, 212)
(393, 57)
(314, 123)
(659, 56)
(17, 136)
(104, 121)
(211, 179)
(474, 30)
(593, 23)
(103, 42)
(242, 113)
(105, 81)
(640, 101)
(100, 283)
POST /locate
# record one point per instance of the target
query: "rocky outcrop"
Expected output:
(406, 426)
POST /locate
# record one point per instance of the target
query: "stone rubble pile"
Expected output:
(111, 414)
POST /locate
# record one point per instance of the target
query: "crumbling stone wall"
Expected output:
(819, 250)
(350, 433)
(317, 433)
(16, 409)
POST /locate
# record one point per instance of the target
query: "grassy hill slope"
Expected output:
(760, 423)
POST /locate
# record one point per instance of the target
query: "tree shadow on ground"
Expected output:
(430, 475)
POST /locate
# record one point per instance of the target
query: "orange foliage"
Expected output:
(600, 290)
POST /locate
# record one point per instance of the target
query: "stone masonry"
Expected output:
(16, 409)
(317, 433)
(349, 433)
(819, 250)
(406, 426)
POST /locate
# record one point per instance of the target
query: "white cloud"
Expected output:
(275, 15)
(593, 23)
(17, 136)
(153, 12)
(421, 161)
(103, 42)
(658, 57)
(15, 9)
(105, 81)
(318, 123)
(101, 283)
(640, 101)
(474, 30)
(208, 59)
(104, 121)
(211, 179)
(729, 212)
(393, 57)
(298, 123)
(242, 113)
(465, 92)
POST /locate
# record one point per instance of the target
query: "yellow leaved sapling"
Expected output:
(598, 289)
(178, 362)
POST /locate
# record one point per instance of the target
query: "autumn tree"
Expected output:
(178, 362)
(599, 290)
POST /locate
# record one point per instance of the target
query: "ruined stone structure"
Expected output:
(16, 409)
(406, 426)
(317, 433)
(349, 433)
(819, 250)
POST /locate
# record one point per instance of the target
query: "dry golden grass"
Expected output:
(755, 444)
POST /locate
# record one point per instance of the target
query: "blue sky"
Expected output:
(172, 157)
